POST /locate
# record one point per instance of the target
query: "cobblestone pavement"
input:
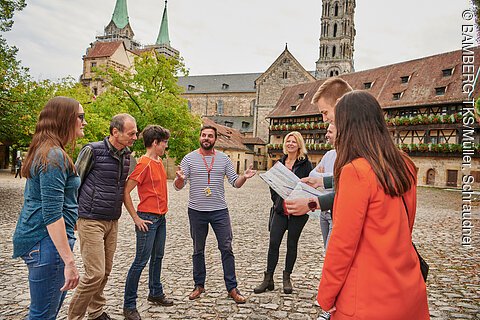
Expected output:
(453, 285)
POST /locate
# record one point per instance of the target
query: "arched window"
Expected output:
(336, 9)
(334, 51)
(335, 27)
(252, 107)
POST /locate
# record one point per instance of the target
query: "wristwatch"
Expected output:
(312, 204)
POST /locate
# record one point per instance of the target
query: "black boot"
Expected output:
(267, 283)
(287, 284)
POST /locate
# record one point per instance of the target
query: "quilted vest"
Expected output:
(101, 194)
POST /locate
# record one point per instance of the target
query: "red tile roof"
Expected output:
(103, 49)
(227, 138)
(425, 75)
(253, 140)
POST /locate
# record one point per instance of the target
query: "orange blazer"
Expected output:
(371, 270)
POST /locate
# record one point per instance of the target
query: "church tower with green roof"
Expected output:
(162, 45)
(119, 28)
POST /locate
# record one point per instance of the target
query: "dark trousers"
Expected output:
(280, 224)
(220, 222)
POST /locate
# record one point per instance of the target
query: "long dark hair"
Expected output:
(362, 133)
(56, 127)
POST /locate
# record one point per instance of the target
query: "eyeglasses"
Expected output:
(81, 116)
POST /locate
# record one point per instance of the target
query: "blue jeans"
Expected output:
(326, 225)
(45, 278)
(220, 221)
(150, 245)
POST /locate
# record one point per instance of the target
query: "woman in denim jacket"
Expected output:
(44, 235)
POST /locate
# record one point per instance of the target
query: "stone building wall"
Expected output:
(440, 167)
(234, 104)
(284, 72)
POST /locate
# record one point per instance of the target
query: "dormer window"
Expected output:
(293, 108)
(367, 85)
(397, 95)
(440, 91)
(404, 79)
(447, 72)
(301, 95)
(225, 86)
(190, 87)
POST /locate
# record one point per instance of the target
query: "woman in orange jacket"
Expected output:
(371, 270)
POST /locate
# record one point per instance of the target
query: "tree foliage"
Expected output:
(8, 8)
(476, 7)
(14, 79)
(151, 94)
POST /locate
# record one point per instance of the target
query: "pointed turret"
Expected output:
(163, 37)
(120, 14)
(119, 28)
(162, 45)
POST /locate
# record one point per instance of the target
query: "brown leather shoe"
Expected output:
(237, 296)
(161, 300)
(197, 291)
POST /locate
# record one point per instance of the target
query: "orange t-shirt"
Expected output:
(152, 185)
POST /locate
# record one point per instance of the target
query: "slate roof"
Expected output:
(242, 82)
(227, 138)
(424, 76)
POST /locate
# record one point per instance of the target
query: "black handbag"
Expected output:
(423, 264)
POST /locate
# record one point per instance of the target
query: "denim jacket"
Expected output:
(50, 194)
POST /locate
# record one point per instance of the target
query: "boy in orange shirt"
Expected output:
(150, 178)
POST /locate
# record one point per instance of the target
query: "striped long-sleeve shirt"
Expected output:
(196, 174)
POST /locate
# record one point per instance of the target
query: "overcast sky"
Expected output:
(241, 36)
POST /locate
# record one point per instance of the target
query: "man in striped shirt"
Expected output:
(205, 169)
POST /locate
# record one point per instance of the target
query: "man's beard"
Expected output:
(209, 147)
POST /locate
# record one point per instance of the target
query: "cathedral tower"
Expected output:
(162, 45)
(119, 27)
(337, 34)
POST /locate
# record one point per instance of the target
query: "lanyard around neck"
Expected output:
(207, 167)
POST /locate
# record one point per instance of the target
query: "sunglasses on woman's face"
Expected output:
(81, 116)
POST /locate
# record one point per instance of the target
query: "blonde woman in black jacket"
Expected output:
(295, 158)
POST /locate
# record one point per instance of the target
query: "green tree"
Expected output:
(151, 94)
(476, 8)
(13, 77)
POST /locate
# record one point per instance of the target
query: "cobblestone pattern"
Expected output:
(453, 285)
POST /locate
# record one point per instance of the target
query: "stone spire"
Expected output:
(336, 39)
(120, 14)
(163, 37)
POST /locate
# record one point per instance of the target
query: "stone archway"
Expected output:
(431, 177)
